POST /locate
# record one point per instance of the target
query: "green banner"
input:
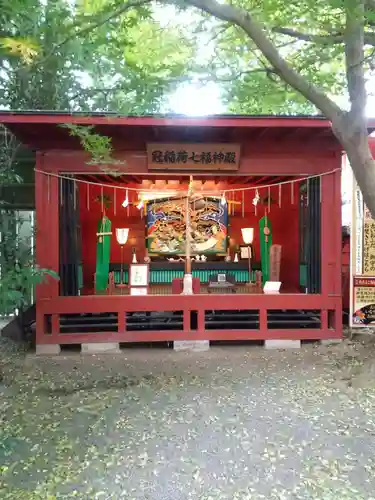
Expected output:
(265, 237)
(103, 249)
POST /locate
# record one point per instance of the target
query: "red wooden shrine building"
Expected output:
(285, 171)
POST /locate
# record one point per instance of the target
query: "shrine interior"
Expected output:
(288, 211)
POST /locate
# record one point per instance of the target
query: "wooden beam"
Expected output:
(259, 180)
(287, 161)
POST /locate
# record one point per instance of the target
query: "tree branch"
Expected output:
(308, 37)
(268, 71)
(256, 32)
(333, 39)
(351, 129)
(219, 33)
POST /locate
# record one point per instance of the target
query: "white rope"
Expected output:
(138, 190)
(300, 179)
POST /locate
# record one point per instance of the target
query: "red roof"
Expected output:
(42, 130)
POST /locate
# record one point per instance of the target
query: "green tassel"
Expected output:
(265, 247)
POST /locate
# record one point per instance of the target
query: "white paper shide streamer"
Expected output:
(231, 208)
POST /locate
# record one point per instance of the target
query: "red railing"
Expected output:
(329, 308)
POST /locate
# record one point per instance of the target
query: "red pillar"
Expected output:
(331, 245)
(47, 235)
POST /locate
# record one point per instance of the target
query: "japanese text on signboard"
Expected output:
(205, 157)
(369, 247)
(364, 296)
(193, 156)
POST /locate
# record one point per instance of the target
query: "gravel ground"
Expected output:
(232, 423)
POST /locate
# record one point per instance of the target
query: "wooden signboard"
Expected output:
(362, 276)
(363, 301)
(193, 156)
(275, 261)
(139, 279)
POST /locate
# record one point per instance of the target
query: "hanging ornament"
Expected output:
(256, 199)
(101, 231)
(105, 201)
(125, 203)
(223, 200)
(266, 229)
(134, 258)
(307, 191)
(267, 200)
(140, 204)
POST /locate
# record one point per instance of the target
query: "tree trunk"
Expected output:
(356, 145)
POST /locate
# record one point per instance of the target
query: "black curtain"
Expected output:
(70, 238)
(310, 234)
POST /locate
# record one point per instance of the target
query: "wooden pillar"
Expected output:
(331, 234)
(331, 254)
(331, 251)
(47, 234)
(338, 252)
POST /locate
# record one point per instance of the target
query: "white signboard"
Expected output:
(272, 287)
(139, 275)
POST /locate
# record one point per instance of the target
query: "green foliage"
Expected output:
(9, 147)
(249, 83)
(315, 51)
(18, 273)
(99, 147)
(79, 59)
(104, 200)
(16, 283)
(91, 57)
(25, 48)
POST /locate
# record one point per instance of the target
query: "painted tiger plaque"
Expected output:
(166, 226)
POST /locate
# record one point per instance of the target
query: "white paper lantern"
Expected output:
(122, 235)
